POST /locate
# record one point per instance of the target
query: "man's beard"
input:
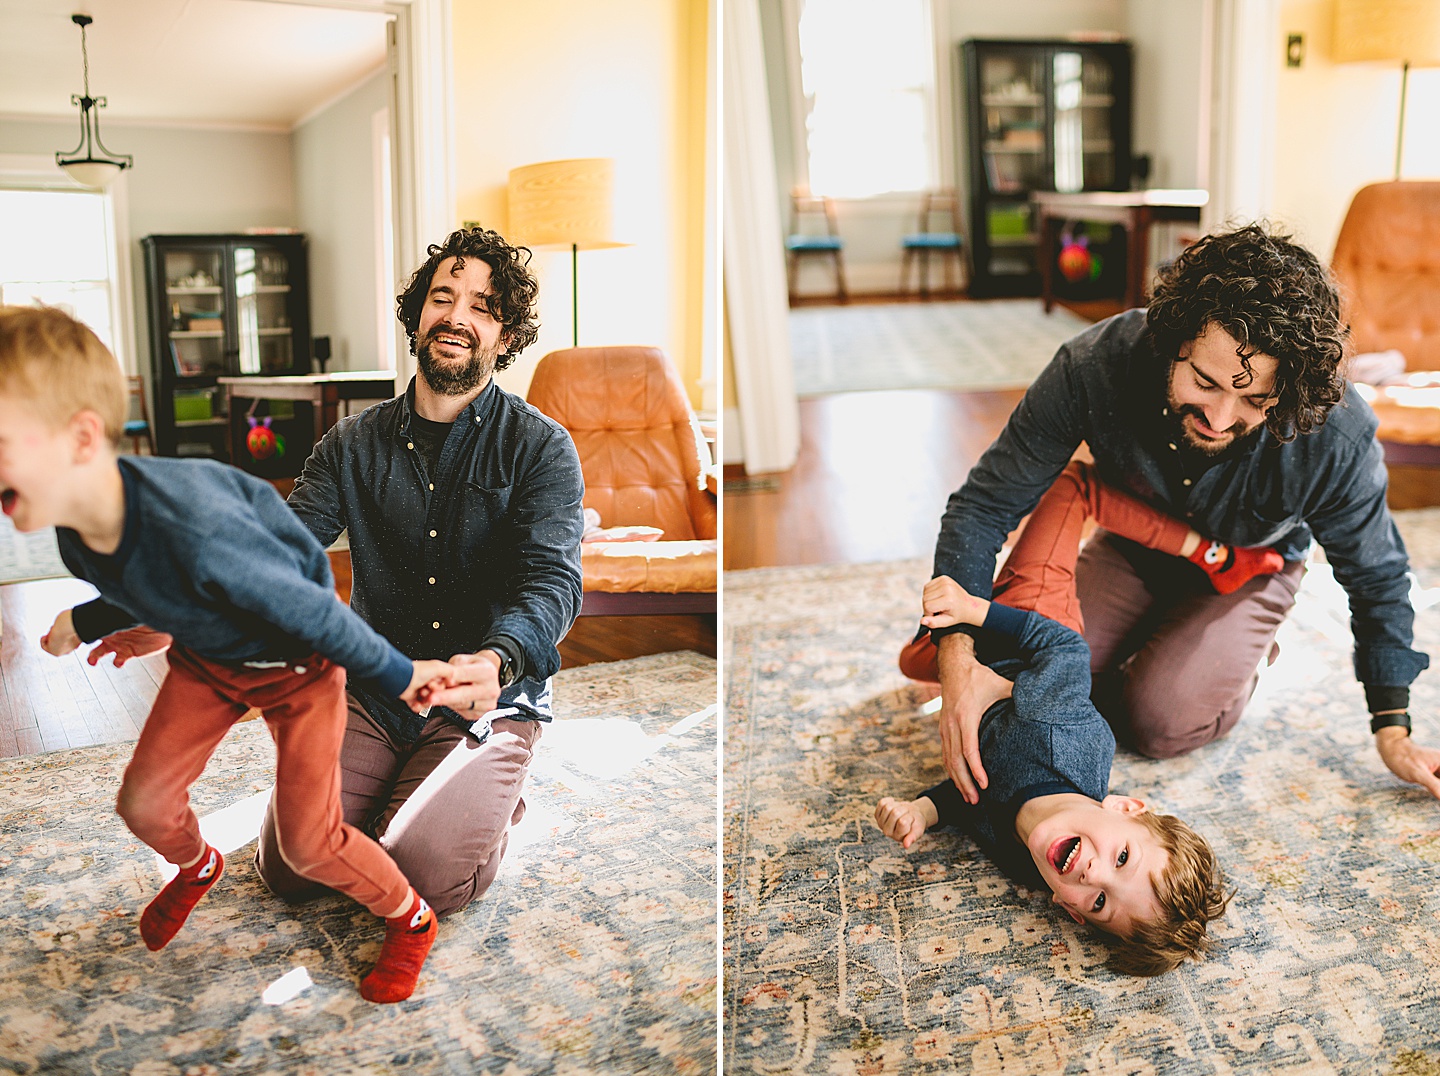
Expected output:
(454, 377)
(1204, 445)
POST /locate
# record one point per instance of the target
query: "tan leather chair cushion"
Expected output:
(1408, 414)
(634, 430)
(1387, 262)
(655, 567)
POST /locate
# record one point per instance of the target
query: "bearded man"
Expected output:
(1224, 405)
(463, 507)
(462, 504)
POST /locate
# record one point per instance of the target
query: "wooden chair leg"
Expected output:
(794, 276)
(840, 290)
(925, 273)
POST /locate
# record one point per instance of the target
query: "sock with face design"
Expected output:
(1231, 567)
(166, 914)
(408, 937)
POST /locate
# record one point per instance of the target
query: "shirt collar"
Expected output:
(474, 414)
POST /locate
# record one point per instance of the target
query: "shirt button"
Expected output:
(1172, 447)
(1186, 482)
(1165, 411)
(436, 624)
(432, 580)
(432, 486)
(432, 534)
(409, 444)
(300, 670)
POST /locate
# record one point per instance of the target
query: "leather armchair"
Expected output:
(1387, 263)
(641, 453)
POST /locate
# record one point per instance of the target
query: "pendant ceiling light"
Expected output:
(90, 170)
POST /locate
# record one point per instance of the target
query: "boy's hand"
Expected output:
(130, 643)
(61, 638)
(948, 603)
(427, 678)
(905, 821)
(476, 686)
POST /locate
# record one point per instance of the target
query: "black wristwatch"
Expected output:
(1385, 721)
(507, 667)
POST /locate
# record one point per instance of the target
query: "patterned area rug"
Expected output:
(847, 955)
(594, 952)
(995, 344)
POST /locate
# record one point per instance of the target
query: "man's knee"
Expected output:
(1163, 722)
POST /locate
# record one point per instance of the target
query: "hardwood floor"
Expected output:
(871, 480)
(49, 703)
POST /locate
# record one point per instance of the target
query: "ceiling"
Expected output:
(265, 63)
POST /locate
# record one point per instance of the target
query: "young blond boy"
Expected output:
(212, 556)
(1044, 813)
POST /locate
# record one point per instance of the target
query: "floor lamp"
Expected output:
(1389, 30)
(558, 204)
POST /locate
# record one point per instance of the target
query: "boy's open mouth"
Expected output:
(7, 500)
(1063, 854)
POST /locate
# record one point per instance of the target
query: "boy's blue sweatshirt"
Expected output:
(214, 557)
(1046, 738)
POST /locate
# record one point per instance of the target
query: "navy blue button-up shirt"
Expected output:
(484, 551)
(1107, 387)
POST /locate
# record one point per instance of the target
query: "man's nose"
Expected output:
(1220, 416)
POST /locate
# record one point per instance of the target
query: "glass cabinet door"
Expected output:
(262, 309)
(1013, 102)
(1083, 100)
(195, 306)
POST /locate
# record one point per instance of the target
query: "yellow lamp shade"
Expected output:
(563, 203)
(1393, 30)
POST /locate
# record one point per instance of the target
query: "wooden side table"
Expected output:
(324, 392)
(1134, 210)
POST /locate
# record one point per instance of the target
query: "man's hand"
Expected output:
(130, 643)
(967, 690)
(476, 685)
(426, 678)
(1409, 761)
(947, 603)
(61, 638)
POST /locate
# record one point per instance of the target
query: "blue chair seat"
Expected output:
(932, 241)
(136, 428)
(814, 242)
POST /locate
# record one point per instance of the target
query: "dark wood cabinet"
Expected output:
(220, 305)
(1040, 116)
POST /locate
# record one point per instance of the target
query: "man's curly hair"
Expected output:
(1275, 298)
(513, 287)
(1190, 892)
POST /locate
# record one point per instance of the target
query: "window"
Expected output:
(868, 85)
(59, 250)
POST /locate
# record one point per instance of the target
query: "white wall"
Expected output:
(185, 181)
(1336, 126)
(540, 82)
(335, 200)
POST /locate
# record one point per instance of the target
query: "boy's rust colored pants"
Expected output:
(304, 707)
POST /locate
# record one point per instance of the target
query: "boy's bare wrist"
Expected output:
(927, 811)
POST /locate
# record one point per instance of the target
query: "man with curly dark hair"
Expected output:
(1224, 405)
(463, 508)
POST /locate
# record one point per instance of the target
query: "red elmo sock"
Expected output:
(1231, 567)
(166, 914)
(408, 937)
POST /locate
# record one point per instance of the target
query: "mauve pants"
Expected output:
(304, 707)
(1174, 663)
(442, 806)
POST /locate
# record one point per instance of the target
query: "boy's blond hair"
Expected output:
(1190, 892)
(60, 365)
